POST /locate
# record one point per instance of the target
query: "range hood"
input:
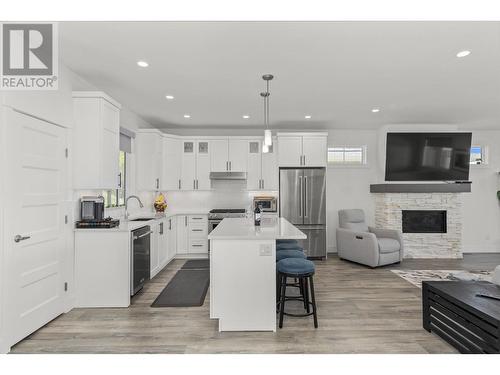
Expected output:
(228, 175)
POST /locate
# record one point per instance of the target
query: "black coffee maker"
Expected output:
(92, 209)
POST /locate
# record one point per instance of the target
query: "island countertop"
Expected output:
(274, 228)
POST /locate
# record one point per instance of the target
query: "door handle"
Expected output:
(143, 235)
(179, 184)
(19, 238)
(305, 196)
(301, 196)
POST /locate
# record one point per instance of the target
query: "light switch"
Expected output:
(266, 250)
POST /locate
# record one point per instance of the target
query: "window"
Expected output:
(116, 198)
(478, 155)
(347, 155)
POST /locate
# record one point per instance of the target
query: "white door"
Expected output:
(254, 175)
(203, 166)
(314, 151)
(270, 171)
(36, 183)
(238, 155)
(147, 146)
(290, 151)
(182, 234)
(110, 117)
(188, 170)
(219, 155)
(171, 163)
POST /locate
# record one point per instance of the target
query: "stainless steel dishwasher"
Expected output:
(140, 265)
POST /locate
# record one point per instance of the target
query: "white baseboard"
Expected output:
(470, 249)
(191, 256)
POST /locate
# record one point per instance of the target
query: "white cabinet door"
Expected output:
(172, 156)
(270, 170)
(110, 117)
(203, 165)
(154, 254)
(314, 151)
(219, 155)
(182, 234)
(290, 151)
(149, 151)
(238, 155)
(162, 244)
(188, 170)
(172, 238)
(254, 175)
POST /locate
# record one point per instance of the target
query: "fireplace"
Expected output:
(424, 221)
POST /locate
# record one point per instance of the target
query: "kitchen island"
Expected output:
(243, 272)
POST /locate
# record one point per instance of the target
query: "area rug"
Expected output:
(416, 277)
(195, 264)
(187, 288)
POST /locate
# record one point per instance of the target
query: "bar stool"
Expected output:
(288, 246)
(303, 270)
(283, 254)
(285, 240)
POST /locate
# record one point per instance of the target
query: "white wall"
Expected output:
(481, 208)
(348, 187)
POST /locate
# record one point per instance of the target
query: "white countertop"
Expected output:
(130, 225)
(273, 228)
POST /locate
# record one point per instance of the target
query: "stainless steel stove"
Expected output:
(222, 213)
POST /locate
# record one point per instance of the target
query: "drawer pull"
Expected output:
(197, 230)
(197, 245)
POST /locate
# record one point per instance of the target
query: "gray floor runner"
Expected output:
(187, 288)
(193, 264)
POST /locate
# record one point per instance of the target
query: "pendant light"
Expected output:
(268, 136)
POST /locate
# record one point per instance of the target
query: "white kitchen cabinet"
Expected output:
(96, 141)
(195, 173)
(154, 253)
(162, 244)
(302, 150)
(182, 234)
(314, 150)
(229, 155)
(172, 238)
(149, 156)
(262, 171)
(171, 164)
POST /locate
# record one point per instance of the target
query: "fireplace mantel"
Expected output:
(421, 188)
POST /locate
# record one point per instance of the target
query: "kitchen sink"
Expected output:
(142, 219)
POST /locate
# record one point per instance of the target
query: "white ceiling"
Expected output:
(334, 71)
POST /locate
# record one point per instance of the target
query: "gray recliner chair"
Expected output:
(358, 242)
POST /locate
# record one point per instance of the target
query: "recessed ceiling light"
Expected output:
(463, 53)
(142, 64)
(307, 116)
(245, 116)
(187, 116)
(169, 97)
(375, 110)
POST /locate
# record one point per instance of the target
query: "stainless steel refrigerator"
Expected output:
(303, 203)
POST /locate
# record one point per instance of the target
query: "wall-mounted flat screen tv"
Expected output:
(428, 156)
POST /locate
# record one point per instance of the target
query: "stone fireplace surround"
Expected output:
(388, 214)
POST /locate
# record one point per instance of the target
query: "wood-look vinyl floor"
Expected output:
(361, 310)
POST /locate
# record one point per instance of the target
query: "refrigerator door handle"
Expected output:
(301, 196)
(305, 196)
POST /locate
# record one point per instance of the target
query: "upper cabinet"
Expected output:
(96, 141)
(302, 150)
(172, 157)
(229, 155)
(195, 165)
(149, 160)
(262, 167)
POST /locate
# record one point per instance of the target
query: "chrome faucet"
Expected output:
(126, 204)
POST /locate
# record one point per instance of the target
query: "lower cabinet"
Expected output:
(192, 232)
(159, 247)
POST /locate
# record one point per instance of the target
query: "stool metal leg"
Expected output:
(282, 298)
(315, 315)
(306, 295)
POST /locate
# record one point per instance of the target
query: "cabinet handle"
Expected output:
(262, 183)
(194, 184)
(157, 183)
(185, 221)
(197, 230)
(193, 245)
(120, 180)
(227, 166)
(169, 224)
(230, 165)
(179, 184)
(304, 160)
(161, 228)
(197, 218)
(197, 186)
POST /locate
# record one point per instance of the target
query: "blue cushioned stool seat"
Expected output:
(289, 246)
(285, 241)
(295, 266)
(284, 254)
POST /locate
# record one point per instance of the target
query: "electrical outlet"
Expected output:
(266, 250)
